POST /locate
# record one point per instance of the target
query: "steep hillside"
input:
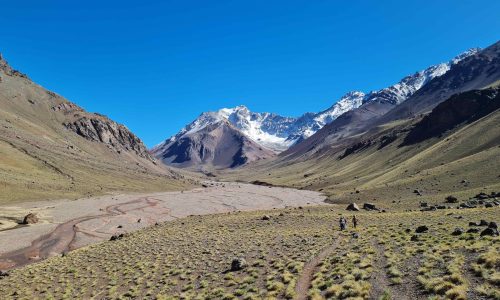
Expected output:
(471, 70)
(51, 148)
(218, 145)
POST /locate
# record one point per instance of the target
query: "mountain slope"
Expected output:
(51, 148)
(460, 157)
(379, 106)
(217, 145)
(472, 72)
(279, 133)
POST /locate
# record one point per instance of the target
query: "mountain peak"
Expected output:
(465, 54)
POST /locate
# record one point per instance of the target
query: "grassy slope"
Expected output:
(40, 159)
(189, 259)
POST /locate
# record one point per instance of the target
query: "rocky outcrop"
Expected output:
(98, 128)
(30, 218)
(8, 70)
(461, 108)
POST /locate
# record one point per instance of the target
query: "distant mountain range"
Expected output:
(278, 133)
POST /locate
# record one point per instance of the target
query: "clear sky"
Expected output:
(156, 65)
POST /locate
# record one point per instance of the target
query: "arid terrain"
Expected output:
(292, 253)
(66, 225)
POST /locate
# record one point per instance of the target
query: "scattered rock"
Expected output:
(482, 196)
(369, 206)
(424, 204)
(421, 229)
(432, 208)
(451, 199)
(414, 238)
(3, 274)
(116, 237)
(490, 232)
(30, 218)
(473, 230)
(457, 231)
(266, 218)
(238, 264)
(483, 223)
(355, 235)
(353, 207)
(119, 226)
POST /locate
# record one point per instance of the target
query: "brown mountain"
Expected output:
(218, 145)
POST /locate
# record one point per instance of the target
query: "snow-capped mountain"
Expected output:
(270, 130)
(278, 133)
(405, 88)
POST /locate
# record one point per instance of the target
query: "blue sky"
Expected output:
(156, 65)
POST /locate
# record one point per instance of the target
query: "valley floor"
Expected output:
(67, 225)
(287, 253)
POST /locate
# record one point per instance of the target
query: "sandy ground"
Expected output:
(67, 225)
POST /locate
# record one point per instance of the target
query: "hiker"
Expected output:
(354, 221)
(343, 223)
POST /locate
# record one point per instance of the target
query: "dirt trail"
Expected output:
(306, 276)
(62, 237)
(379, 280)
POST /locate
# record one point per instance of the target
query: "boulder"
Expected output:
(266, 218)
(369, 206)
(473, 230)
(414, 238)
(423, 204)
(353, 207)
(238, 264)
(3, 274)
(483, 223)
(421, 229)
(493, 225)
(482, 196)
(457, 231)
(451, 199)
(490, 232)
(116, 237)
(30, 218)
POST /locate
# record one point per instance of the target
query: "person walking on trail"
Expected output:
(343, 223)
(354, 221)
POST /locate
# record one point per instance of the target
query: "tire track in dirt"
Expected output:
(306, 276)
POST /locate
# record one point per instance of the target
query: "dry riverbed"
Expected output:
(67, 225)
